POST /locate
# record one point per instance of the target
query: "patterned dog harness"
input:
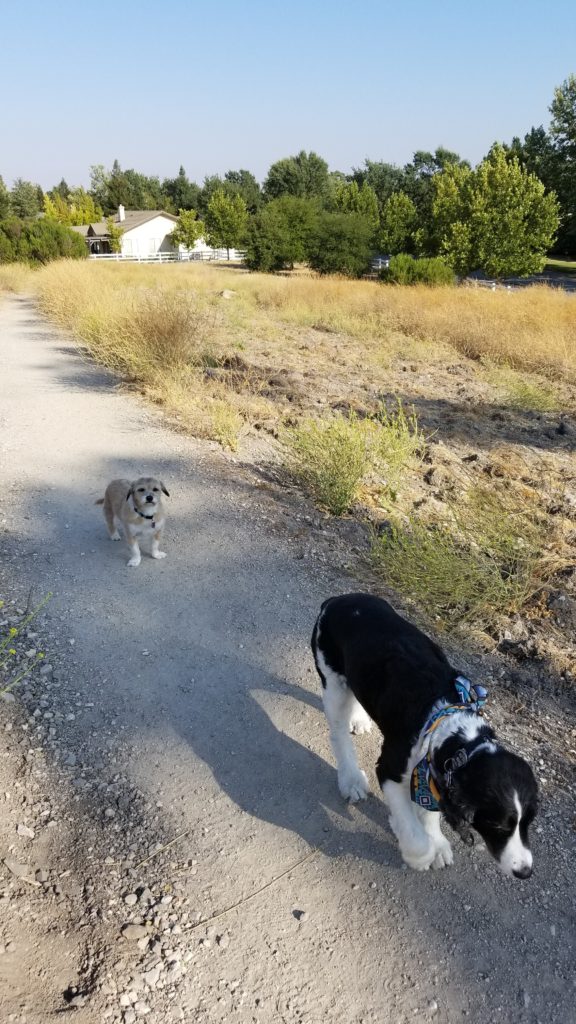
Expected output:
(423, 788)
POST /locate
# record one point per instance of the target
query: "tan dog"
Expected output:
(137, 508)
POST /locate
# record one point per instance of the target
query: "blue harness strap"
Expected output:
(423, 788)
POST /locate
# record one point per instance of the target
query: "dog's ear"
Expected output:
(164, 491)
(130, 492)
(459, 816)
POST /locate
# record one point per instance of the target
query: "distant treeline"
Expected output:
(504, 216)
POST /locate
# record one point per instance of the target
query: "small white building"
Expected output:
(146, 234)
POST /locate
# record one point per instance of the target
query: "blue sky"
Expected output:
(241, 83)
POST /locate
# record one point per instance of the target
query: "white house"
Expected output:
(146, 234)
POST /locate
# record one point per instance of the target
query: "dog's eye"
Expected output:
(155, 489)
(141, 490)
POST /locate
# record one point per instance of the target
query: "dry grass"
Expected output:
(314, 358)
(158, 332)
(532, 328)
(16, 277)
(485, 559)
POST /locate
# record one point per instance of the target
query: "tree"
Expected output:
(226, 221)
(78, 208)
(279, 234)
(341, 243)
(397, 221)
(4, 200)
(563, 132)
(384, 179)
(498, 217)
(304, 176)
(25, 198)
(243, 183)
(417, 182)
(181, 193)
(61, 189)
(349, 198)
(188, 229)
(115, 233)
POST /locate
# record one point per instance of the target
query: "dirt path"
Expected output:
(183, 701)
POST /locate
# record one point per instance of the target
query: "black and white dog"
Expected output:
(438, 754)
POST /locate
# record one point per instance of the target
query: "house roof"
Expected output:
(82, 229)
(134, 218)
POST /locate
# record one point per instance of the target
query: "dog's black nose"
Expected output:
(524, 872)
(149, 497)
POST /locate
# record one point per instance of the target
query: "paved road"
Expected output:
(200, 675)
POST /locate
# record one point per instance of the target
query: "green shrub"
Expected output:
(330, 458)
(39, 241)
(341, 243)
(333, 457)
(277, 237)
(430, 270)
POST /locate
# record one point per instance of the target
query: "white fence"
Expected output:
(207, 255)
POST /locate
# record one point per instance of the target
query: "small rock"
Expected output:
(151, 977)
(141, 1008)
(223, 940)
(133, 932)
(27, 833)
(129, 1016)
(110, 812)
(131, 899)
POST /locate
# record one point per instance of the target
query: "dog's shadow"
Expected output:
(273, 777)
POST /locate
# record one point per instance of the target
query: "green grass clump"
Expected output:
(522, 392)
(330, 458)
(333, 458)
(486, 560)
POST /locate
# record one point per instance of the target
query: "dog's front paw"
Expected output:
(360, 723)
(115, 536)
(354, 786)
(444, 856)
(419, 861)
(158, 554)
(134, 562)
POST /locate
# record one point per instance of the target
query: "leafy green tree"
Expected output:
(61, 189)
(115, 233)
(226, 221)
(397, 222)
(350, 198)
(563, 132)
(384, 179)
(278, 236)
(26, 198)
(78, 208)
(244, 184)
(498, 217)
(304, 176)
(341, 243)
(188, 229)
(99, 185)
(181, 193)
(4, 200)
(417, 179)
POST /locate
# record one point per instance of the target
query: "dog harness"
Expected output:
(423, 786)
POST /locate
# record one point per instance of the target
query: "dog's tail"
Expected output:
(99, 502)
